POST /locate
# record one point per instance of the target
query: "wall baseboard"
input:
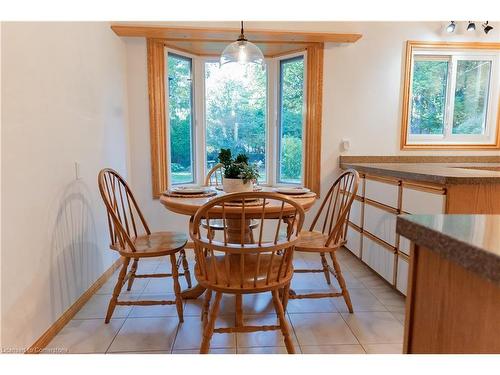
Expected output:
(59, 324)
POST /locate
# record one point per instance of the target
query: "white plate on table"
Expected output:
(291, 190)
(191, 189)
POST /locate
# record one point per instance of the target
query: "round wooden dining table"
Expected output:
(188, 206)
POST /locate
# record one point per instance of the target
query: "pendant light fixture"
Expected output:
(242, 51)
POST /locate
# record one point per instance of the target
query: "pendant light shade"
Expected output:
(242, 51)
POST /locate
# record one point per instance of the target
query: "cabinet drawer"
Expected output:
(404, 245)
(379, 258)
(402, 276)
(380, 223)
(382, 192)
(353, 241)
(361, 187)
(356, 214)
(422, 202)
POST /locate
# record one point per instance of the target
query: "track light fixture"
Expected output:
(487, 28)
(471, 26)
(451, 27)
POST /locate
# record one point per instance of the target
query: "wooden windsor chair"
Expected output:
(235, 267)
(214, 178)
(330, 236)
(125, 221)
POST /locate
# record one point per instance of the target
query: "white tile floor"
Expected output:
(318, 326)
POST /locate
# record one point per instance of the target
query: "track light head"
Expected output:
(487, 28)
(471, 26)
(451, 27)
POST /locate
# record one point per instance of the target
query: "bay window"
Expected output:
(273, 114)
(259, 112)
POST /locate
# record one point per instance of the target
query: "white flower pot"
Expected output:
(236, 185)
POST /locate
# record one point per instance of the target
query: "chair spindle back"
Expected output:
(214, 176)
(338, 203)
(234, 261)
(124, 216)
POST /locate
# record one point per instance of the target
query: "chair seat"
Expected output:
(154, 245)
(218, 224)
(251, 284)
(313, 241)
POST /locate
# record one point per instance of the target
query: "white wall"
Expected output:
(63, 100)
(362, 95)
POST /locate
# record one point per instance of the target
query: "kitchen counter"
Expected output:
(418, 185)
(454, 284)
(436, 170)
(472, 241)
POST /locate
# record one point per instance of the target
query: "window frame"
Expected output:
(453, 52)
(194, 169)
(279, 62)
(157, 116)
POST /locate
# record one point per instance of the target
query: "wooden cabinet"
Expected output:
(371, 234)
(404, 245)
(402, 275)
(354, 240)
(356, 214)
(384, 191)
(379, 257)
(416, 200)
(381, 223)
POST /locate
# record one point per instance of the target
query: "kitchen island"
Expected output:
(453, 298)
(394, 185)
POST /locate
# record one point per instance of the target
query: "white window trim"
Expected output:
(490, 135)
(199, 134)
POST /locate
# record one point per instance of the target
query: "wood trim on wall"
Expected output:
(157, 116)
(410, 46)
(314, 108)
(59, 324)
(228, 35)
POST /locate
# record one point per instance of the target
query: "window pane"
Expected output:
(291, 120)
(235, 105)
(181, 118)
(471, 96)
(428, 96)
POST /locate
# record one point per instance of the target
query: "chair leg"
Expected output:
(208, 331)
(185, 266)
(340, 278)
(133, 270)
(117, 290)
(285, 330)
(326, 271)
(206, 306)
(239, 311)
(177, 288)
(286, 295)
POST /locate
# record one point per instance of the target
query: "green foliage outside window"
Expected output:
(291, 118)
(428, 97)
(180, 107)
(431, 79)
(235, 115)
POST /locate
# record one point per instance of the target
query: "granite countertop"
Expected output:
(446, 172)
(472, 241)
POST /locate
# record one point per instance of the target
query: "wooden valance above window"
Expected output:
(211, 42)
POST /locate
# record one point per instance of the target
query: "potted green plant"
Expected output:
(239, 175)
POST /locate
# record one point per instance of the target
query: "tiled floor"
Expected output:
(318, 326)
